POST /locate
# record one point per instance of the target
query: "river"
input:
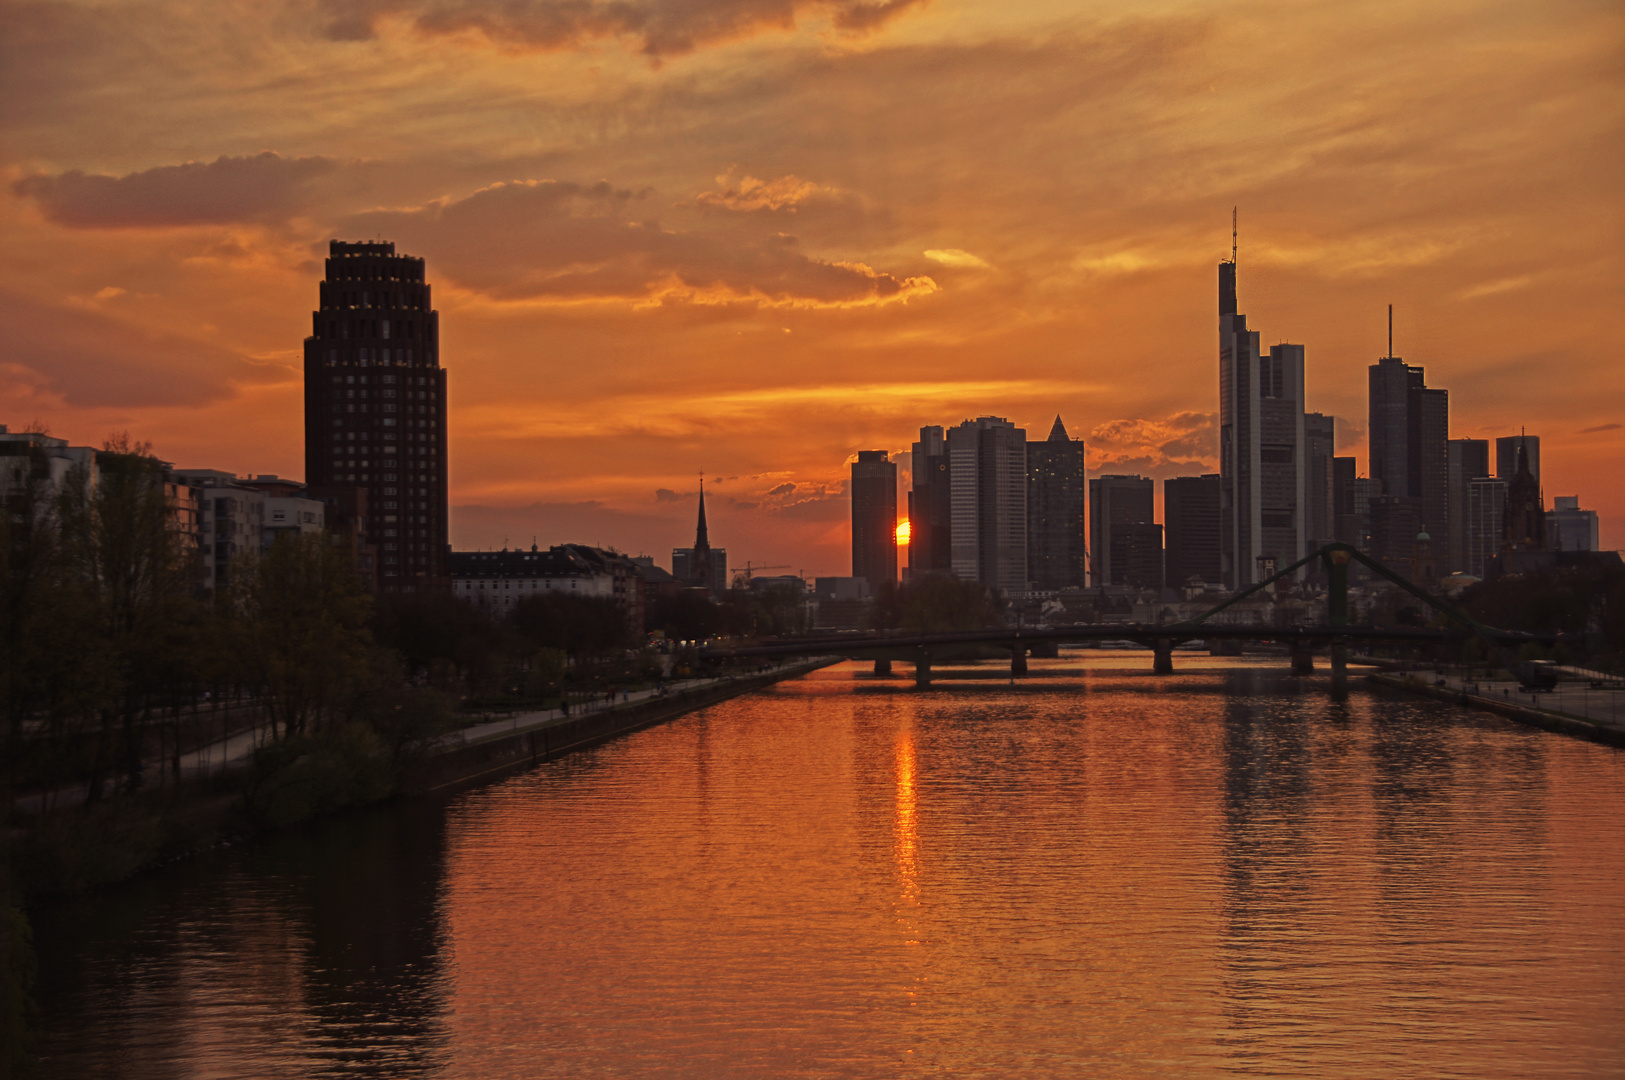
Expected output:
(1093, 872)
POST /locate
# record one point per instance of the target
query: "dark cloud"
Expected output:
(658, 28)
(264, 187)
(92, 359)
(1599, 428)
(668, 495)
(782, 489)
(551, 238)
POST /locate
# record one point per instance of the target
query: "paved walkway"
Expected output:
(545, 717)
(235, 751)
(1570, 697)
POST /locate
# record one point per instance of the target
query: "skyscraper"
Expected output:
(1055, 504)
(1409, 432)
(874, 518)
(1117, 502)
(1486, 522)
(987, 467)
(375, 408)
(1319, 445)
(929, 506)
(1190, 511)
(1261, 446)
(1466, 460)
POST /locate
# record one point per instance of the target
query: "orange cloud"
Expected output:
(549, 239)
(658, 28)
(265, 187)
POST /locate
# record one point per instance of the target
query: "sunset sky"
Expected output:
(751, 237)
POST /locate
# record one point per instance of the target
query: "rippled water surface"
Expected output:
(1093, 873)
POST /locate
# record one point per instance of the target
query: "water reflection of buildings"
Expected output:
(1373, 858)
(1270, 859)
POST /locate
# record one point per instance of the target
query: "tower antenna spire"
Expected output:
(1234, 244)
(1390, 331)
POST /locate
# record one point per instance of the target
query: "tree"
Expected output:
(942, 604)
(580, 626)
(301, 619)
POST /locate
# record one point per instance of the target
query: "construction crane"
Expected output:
(749, 567)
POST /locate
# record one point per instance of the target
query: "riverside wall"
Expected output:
(456, 768)
(1523, 714)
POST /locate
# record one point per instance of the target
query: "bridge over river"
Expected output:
(924, 649)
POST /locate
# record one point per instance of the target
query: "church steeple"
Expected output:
(1058, 432)
(702, 539)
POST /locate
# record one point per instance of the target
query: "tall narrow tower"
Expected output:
(375, 409)
(1261, 447)
(700, 562)
(874, 518)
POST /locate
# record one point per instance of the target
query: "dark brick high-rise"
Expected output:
(375, 409)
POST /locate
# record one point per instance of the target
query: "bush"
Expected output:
(300, 777)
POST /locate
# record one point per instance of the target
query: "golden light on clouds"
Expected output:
(751, 238)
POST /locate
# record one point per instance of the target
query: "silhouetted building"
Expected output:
(497, 580)
(1261, 446)
(874, 518)
(1056, 488)
(1351, 503)
(1466, 460)
(1409, 430)
(1319, 442)
(375, 407)
(1506, 456)
(701, 566)
(1486, 523)
(1526, 510)
(1569, 528)
(1136, 555)
(1395, 521)
(1116, 502)
(987, 463)
(1190, 511)
(930, 502)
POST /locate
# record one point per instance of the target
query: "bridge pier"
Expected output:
(1018, 661)
(1162, 657)
(882, 667)
(922, 670)
(1340, 671)
(1303, 658)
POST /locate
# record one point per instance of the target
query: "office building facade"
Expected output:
(1486, 523)
(1261, 446)
(1115, 503)
(874, 518)
(1569, 528)
(1056, 525)
(1466, 460)
(1409, 432)
(930, 500)
(1319, 448)
(375, 408)
(1190, 514)
(987, 464)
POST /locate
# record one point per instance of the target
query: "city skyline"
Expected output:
(644, 277)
